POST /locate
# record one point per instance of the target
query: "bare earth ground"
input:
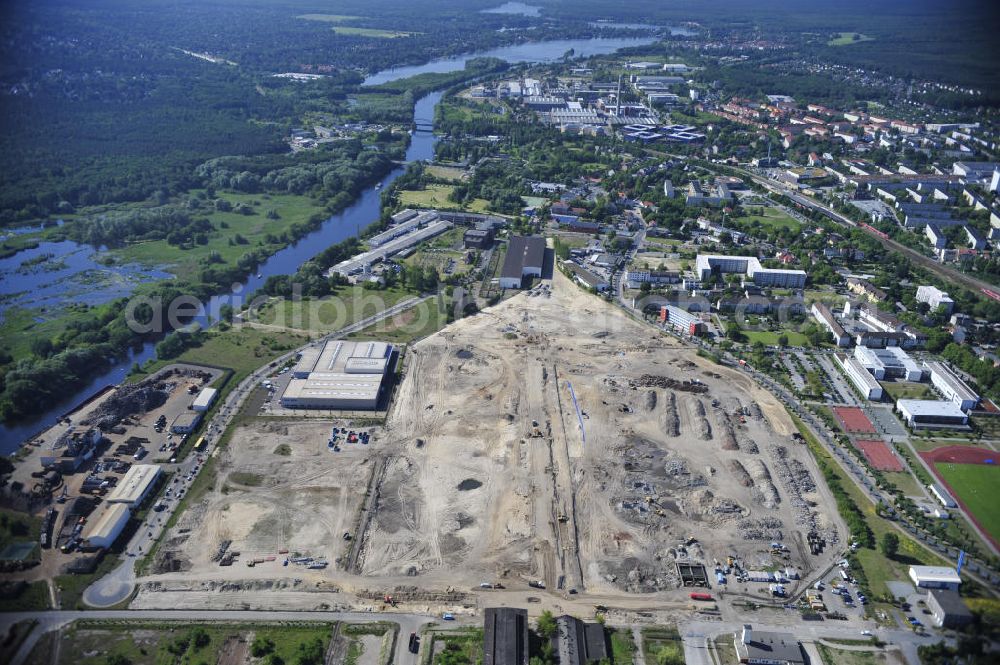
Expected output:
(483, 474)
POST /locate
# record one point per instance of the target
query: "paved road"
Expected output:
(697, 633)
(117, 586)
(49, 621)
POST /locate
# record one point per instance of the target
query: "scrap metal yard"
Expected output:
(549, 442)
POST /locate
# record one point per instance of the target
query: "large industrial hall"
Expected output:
(339, 375)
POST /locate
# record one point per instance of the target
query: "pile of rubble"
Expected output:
(764, 491)
(740, 472)
(128, 400)
(672, 421)
(696, 412)
(683, 477)
(633, 575)
(726, 431)
(654, 381)
(796, 480)
(763, 528)
(412, 593)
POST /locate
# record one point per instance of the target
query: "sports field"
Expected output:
(972, 475)
(975, 487)
(879, 455)
(853, 419)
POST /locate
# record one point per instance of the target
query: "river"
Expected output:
(534, 52)
(350, 222)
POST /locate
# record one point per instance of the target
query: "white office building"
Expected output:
(952, 387)
(935, 297)
(888, 363)
(707, 264)
(861, 378)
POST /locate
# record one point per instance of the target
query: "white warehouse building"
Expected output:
(932, 413)
(935, 577)
(102, 531)
(204, 399)
(339, 375)
(942, 495)
(135, 486)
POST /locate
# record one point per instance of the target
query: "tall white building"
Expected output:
(935, 297)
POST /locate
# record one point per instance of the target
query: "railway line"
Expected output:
(950, 274)
(981, 287)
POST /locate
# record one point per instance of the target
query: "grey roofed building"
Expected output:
(579, 643)
(505, 636)
(760, 648)
(339, 374)
(948, 608)
(525, 255)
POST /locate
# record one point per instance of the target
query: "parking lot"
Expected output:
(836, 384)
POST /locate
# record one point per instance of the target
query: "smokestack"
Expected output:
(747, 634)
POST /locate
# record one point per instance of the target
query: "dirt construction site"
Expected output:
(549, 441)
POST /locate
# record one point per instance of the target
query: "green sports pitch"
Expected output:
(975, 485)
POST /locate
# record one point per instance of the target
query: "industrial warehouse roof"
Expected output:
(204, 399)
(134, 485)
(941, 574)
(523, 251)
(339, 374)
(334, 386)
(358, 365)
(505, 636)
(105, 525)
(390, 248)
(335, 355)
(929, 407)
